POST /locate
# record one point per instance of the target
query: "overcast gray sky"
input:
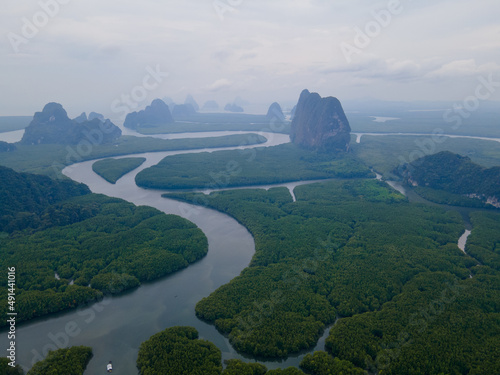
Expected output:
(87, 54)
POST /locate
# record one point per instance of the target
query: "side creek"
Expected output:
(116, 326)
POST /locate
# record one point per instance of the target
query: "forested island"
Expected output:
(264, 165)
(178, 350)
(113, 169)
(70, 246)
(358, 251)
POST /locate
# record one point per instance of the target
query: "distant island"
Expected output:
(53, 126)
(275, 113)
(183, 110)
(158, 113)
(233, 107)
(190, 101)
(210, 105)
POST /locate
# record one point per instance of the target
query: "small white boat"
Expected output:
(109, 367)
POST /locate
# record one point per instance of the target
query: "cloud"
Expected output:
(219, 85)
(375, 67)
(463, 68)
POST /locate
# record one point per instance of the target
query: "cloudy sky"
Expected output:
(109, 55)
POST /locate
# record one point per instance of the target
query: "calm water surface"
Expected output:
(115, 327)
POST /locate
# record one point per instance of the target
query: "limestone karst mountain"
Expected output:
(53, 125)
(320, 123)
(158, 113)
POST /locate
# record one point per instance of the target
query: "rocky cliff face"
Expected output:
(157, 113)
(320, 124)
(53, 125)
(275, 113)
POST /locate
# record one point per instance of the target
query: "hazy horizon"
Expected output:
(91, 56)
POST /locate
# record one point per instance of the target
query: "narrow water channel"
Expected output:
(115, 327)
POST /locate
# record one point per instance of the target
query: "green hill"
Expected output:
(454, 174)
(24, 196)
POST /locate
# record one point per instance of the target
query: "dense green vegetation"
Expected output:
(90, 239)
(444, 197)
(112, 246)
(438, 325)
(206, 122)
(178, 350)
(50, 159)
(5, 369)
(484, 242)
(453, 173)
(385, 153)
(11, 123)
(344, 248)
(238, 367)
(113, 169)
(71, 361)
(263, 165)
(24, 197)
(321, 363)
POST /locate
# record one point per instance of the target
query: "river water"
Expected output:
(359, 135)
(115, 327)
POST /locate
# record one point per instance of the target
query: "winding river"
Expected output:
(116, 326)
